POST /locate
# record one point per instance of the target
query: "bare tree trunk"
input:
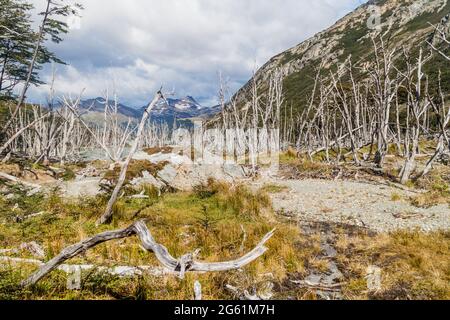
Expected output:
(429, 166)
(18, 133)
(18, 181)
(108, 212)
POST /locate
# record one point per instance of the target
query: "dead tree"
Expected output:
(443, 118)
(342, 101)
(186, 263)
(109, 209)
(383, 93)
(91, 131)
(20, 132)
(440, 37)
(69, 127)
(417, 106)
(114, 134)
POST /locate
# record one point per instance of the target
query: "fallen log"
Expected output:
(186, 263)
(121, 271)
(318, 286)
(18, 181)
(32, 247)
(20, 219)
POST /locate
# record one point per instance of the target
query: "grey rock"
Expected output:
(81, 187)
(233, 170)
(356, 203)
(147, 179)
(168, 174)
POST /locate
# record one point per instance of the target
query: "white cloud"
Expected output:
(139, 45)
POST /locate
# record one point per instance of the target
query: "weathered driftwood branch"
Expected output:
(186, 263)
(121, 271)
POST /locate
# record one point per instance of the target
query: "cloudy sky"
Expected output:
(135, 46)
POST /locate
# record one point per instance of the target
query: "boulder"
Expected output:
(168, 174)
(147, 179)
(172, 158)
(182, 174)
(81, 187)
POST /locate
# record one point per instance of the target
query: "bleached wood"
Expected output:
(185, 264)
(109, 208)
(20, 132)
(197, 291)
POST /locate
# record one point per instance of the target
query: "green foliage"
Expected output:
(352, 44)
(9, 285)
(211, 188)
(18, 41)
(68, 175)
(206, 220)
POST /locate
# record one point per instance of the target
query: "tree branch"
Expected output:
(185, 264)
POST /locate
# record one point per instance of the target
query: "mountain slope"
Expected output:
(403, 23)
(98, 105)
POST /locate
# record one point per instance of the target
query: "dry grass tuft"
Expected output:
(414, 265)
(273, 188)
(224, 221)
(396, 197)
(437, 186)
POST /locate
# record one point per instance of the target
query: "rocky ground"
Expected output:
(374, 204)
(378, 207)
(322, 206)
(326, 217)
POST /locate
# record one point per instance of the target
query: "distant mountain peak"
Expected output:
(165, 111)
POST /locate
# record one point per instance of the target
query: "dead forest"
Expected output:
(357, 118)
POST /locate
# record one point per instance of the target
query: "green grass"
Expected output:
(224, 222)
(214, 221)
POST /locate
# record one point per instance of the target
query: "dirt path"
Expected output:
(355, 203)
